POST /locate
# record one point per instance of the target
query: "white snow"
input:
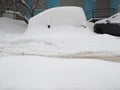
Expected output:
(61, 43)
(60, 19)
(59, 40)
(40, 73)
(21, 72)
(102, 21)
(9, 25)
(60, 16)
(113, 19)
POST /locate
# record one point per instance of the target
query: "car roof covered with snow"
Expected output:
(61, 15)
(113, 19)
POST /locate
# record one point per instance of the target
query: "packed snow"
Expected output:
(42, 73)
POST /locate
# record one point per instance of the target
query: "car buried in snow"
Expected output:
(110, 25)
(59, 19)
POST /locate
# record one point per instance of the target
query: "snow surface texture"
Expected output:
(9, 25)
(113, 19)
(72, 16)
(60, 44)
(60, 40)
(39, 73)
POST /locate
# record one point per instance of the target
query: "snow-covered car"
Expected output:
(66, 58)
(56, 19)
(109, 25)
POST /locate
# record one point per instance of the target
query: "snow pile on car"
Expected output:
(113, 19)
(61, 41)
(59, 16)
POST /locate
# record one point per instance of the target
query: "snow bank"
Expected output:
(59, 16)
(9, 25)
(77, 44)
(39, 73)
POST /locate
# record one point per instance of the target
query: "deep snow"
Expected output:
(67, 15)
(9, 25)
(60, 40)
(42, 73)
(34, 72)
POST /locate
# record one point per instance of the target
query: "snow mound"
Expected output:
(59, 16)
(9, 25)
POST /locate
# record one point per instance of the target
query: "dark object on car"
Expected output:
(49, 26)
(108, 28)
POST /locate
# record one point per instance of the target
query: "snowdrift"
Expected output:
(9, 25)
(59, 16)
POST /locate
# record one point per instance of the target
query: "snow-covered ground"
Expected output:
(60, 40)
(42, 73)
(22, 66)
(70, 42)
